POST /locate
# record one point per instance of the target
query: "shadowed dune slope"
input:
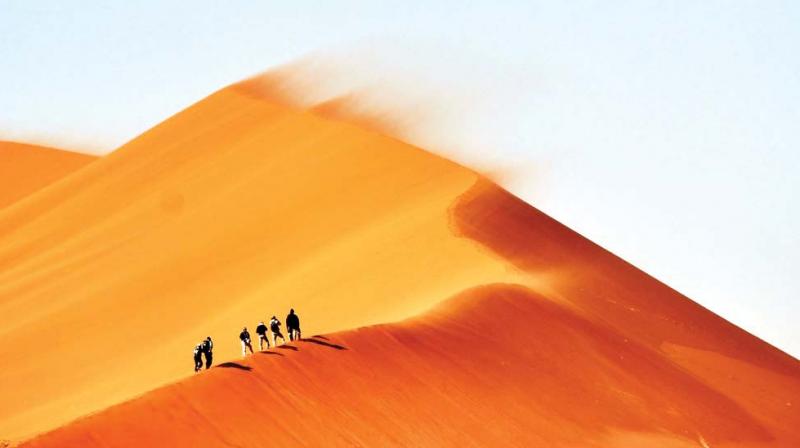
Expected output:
(26, 168)
(498, 365)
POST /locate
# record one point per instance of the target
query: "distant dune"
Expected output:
(245, 205)
(26, 168)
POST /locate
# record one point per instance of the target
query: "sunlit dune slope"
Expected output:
(25, 168)
(233, 210)
(498, 365)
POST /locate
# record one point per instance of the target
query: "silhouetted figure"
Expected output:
(275, 327)
(208, 349)
(244, 336)
(261, 331)
(198, 357)
(293, 325)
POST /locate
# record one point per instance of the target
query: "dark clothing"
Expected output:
(292, 322)
(207, 348)
(293, 326)
(245, 337)
(275, 326)
(209, 357)
(198, 360)
(261, 329)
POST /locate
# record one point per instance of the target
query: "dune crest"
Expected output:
(497, 365)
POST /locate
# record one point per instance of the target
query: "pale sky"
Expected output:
(668, 132)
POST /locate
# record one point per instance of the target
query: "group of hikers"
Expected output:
(206, 347)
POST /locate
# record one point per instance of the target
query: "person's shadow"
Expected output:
(319, 340)
(234, 365)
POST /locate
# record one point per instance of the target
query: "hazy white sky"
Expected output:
(667, 132)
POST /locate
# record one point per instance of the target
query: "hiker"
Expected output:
(275, 326)
(261, 331)
(293, 325)
(208, 347)
(244, 336)
(198, 357)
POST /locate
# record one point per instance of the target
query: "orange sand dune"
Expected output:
(242, 206)
(25, 168)
(499, 365)
(234, 210)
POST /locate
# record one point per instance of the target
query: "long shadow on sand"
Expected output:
(287, 347)
(234, 365)
(269, 353)
(314, 340)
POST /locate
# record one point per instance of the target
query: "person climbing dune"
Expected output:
(293, 325)
(275, 327)
(244, 336)
(198, 357)
(261, 331)
(208, 348)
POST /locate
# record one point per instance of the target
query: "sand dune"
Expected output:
(498, 365)
(244, 205)
(235, 209)
(26, 168)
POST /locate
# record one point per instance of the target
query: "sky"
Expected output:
(667, 132)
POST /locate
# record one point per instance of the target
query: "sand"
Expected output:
(245, 205)
(234, 210)
(25, 169)
(498, 365)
